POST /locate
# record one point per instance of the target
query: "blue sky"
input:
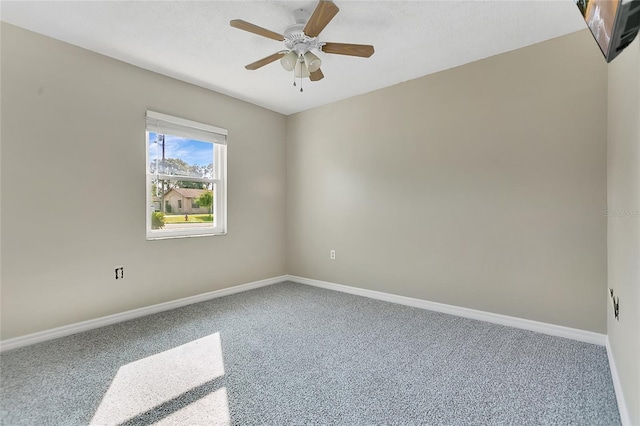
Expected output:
(191, 151)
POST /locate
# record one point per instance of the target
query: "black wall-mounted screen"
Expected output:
(613, 23)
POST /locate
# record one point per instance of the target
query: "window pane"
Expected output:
(173, 155)
(178, 207)
(186, 171)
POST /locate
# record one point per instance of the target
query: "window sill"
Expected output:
(173, 237)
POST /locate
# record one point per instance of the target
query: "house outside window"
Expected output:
(186, 178)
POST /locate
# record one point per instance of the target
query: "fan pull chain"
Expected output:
(294, 79)
(301, 62)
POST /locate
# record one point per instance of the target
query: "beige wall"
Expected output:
(483, 186)
(73, 152)
(623, 173)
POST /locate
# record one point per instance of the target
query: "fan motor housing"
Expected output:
(295, 39)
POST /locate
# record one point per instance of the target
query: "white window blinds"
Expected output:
(166, 124)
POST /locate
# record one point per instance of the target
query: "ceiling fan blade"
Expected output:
(264, 61)
(246, 26)
(324, 13)
(363, 50)
(316, 75)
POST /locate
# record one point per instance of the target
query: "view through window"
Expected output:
(186, 185)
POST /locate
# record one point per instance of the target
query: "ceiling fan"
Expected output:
(301, 39)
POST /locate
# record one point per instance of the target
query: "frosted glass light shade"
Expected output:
(289, 61)
(301, 70)
(312, 61)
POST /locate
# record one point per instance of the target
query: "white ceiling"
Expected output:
(192, 40)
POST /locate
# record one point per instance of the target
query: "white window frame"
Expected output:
(155, 122)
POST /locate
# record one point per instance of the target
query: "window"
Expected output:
(185, 160)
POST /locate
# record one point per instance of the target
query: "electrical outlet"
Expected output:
(120, 272)
(332, 255)
(616, 304)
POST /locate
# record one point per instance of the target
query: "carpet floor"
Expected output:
(295, 354)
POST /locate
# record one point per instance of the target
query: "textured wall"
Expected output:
(73, 188)
(623, 173)
(483, 186)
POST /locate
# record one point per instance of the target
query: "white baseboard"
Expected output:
(79, 327)
(617, 386)
(540, 327)
(554, 330)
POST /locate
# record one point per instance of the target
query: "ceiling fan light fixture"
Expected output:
(300, 39)
(312, 61)
(289, 61)
(301, 70)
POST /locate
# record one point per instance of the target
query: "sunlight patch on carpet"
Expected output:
(149, 383)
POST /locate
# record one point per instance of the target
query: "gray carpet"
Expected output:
(294, 354)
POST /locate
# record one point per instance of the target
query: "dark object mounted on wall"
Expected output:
(613, 23)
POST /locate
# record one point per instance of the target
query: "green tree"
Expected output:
(190, 184)
(206, 200)
(157, 220)
(170, 166)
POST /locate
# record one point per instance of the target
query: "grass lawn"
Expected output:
(193, 218)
